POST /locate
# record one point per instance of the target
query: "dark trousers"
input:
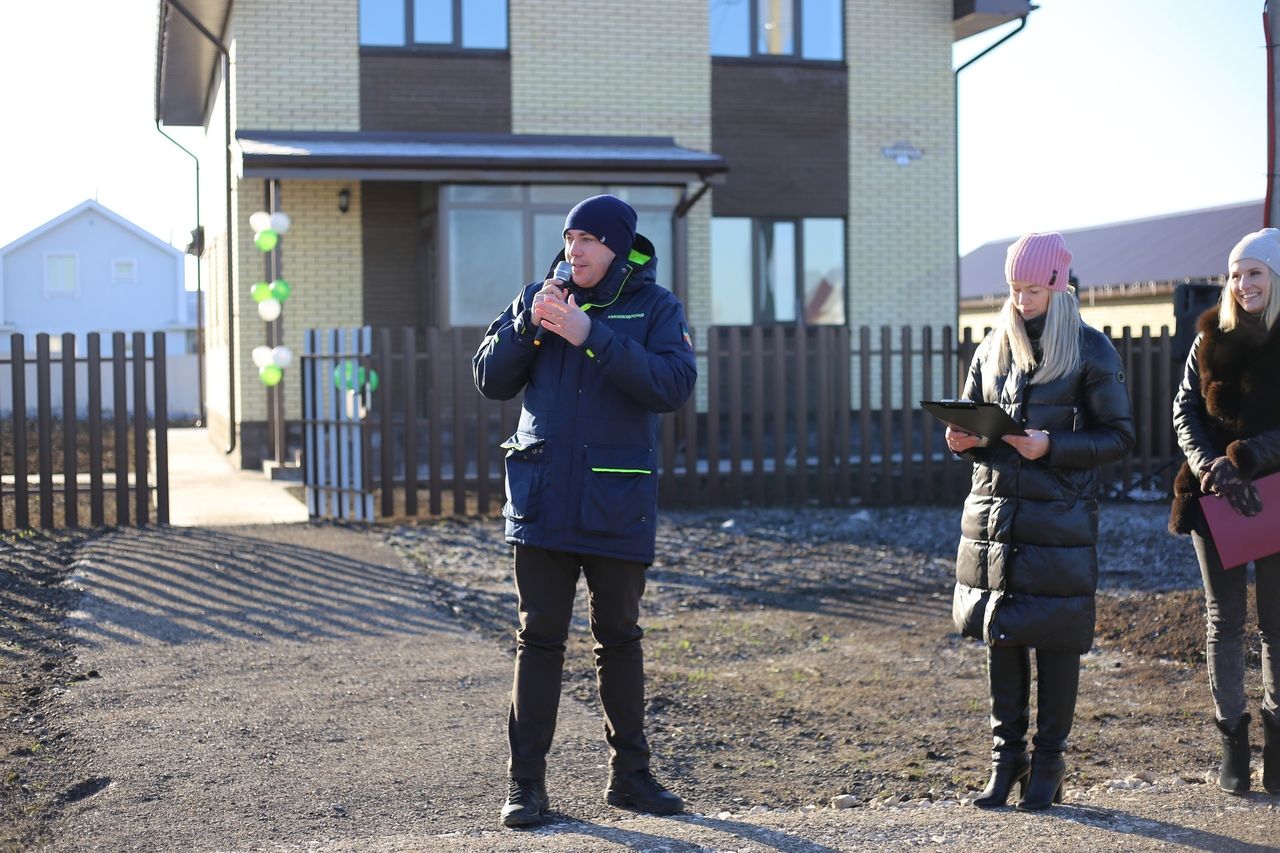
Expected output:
(1057, 683)
(1226, 594)
(546, 582)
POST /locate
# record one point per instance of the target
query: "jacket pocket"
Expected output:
(620, 490)
(526, 463)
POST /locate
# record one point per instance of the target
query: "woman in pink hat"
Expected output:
(1227, 417)
(1027, 567)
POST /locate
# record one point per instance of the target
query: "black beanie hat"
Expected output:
(607, 218)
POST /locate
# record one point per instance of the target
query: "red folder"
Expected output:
(1238, 538)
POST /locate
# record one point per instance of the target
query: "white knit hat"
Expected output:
(1262, 246)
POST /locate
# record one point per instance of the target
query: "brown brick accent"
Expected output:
(435, 93)
(783, 130)
(393, 280)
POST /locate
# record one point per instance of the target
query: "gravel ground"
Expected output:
(806, 693)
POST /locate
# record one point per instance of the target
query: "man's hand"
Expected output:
(562, 317)
(1033, 445)
(1223, 478)
(959, 441)
(552, 289)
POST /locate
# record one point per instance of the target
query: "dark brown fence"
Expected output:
(64, 469)
(783, 415)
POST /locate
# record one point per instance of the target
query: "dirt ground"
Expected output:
(792, 656)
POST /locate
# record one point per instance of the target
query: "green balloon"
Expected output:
(260, 291)
(373, 380)
(349, 376)
(266, 240)
(270, 375)
(280, 290)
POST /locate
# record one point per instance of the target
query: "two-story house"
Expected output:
(792, 160)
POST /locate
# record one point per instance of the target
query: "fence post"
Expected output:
(120, 422)
(159, 377)
(94, 378)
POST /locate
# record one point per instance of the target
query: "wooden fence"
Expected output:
(60, 471)
(784, 415)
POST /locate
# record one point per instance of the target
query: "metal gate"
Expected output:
(337, 385)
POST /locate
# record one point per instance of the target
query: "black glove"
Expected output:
(1223, 478)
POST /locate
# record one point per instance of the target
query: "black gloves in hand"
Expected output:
(1222, 477)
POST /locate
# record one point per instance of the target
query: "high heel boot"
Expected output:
(1271, 752)
(1234, 775)
(1057, 683)
(1009, 679)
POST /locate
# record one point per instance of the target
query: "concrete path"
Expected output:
(206, 490)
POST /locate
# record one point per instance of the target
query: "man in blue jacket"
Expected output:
(598, 359)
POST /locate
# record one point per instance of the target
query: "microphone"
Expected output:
(563, 272)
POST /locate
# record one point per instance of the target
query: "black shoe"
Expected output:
(1045, 785)
(526, 802)
(1271, 752)
(1234, 775)
(1003, 778)
(637, 789)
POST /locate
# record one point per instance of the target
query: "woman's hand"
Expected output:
(959, 441)
(1033, 445)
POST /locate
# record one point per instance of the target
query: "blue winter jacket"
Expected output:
(582, 466)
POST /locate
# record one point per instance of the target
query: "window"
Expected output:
(124, 271)
(794, 29)
(444, 24)
(777, 271)
(499, 237)
(61, 274)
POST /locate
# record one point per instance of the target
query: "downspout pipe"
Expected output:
(955, 143)
(1268, 220)
(231, 277)
(199, 289)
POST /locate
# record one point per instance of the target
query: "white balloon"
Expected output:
(260, 221)
(261, 356)
(280, 222)
(281, 357)
(269, 309)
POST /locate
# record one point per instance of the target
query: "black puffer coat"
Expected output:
(1228, 404)
(1027, 567)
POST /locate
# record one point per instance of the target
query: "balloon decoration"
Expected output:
(270, 375)
(269, 309)
(350, 376)
(270, 297)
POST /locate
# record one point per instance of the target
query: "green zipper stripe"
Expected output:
(622, 470)
(588, 306)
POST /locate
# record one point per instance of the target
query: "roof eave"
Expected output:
(971, 17)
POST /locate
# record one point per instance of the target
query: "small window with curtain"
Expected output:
(434, 24)
(61, 274)
(777, 271)
(810, 30)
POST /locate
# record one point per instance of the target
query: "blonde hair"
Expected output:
(1229, 311)
(1059, 343)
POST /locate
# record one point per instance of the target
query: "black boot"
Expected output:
(1057, 683)
(637, 789)
(1234, 775)
(526, 802)
(1271, 752)
(1009, 680)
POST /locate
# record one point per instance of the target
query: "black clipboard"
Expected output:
(984, 419)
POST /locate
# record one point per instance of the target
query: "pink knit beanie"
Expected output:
(1040, 259)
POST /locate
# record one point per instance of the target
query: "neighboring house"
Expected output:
(91, 270)
(784, 157)
(1127, 272)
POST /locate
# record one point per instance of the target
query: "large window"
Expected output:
(444, 24)
(777, 271)
(795, 29)
(498, 238)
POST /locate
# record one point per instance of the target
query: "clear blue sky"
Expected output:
(1100, 110)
